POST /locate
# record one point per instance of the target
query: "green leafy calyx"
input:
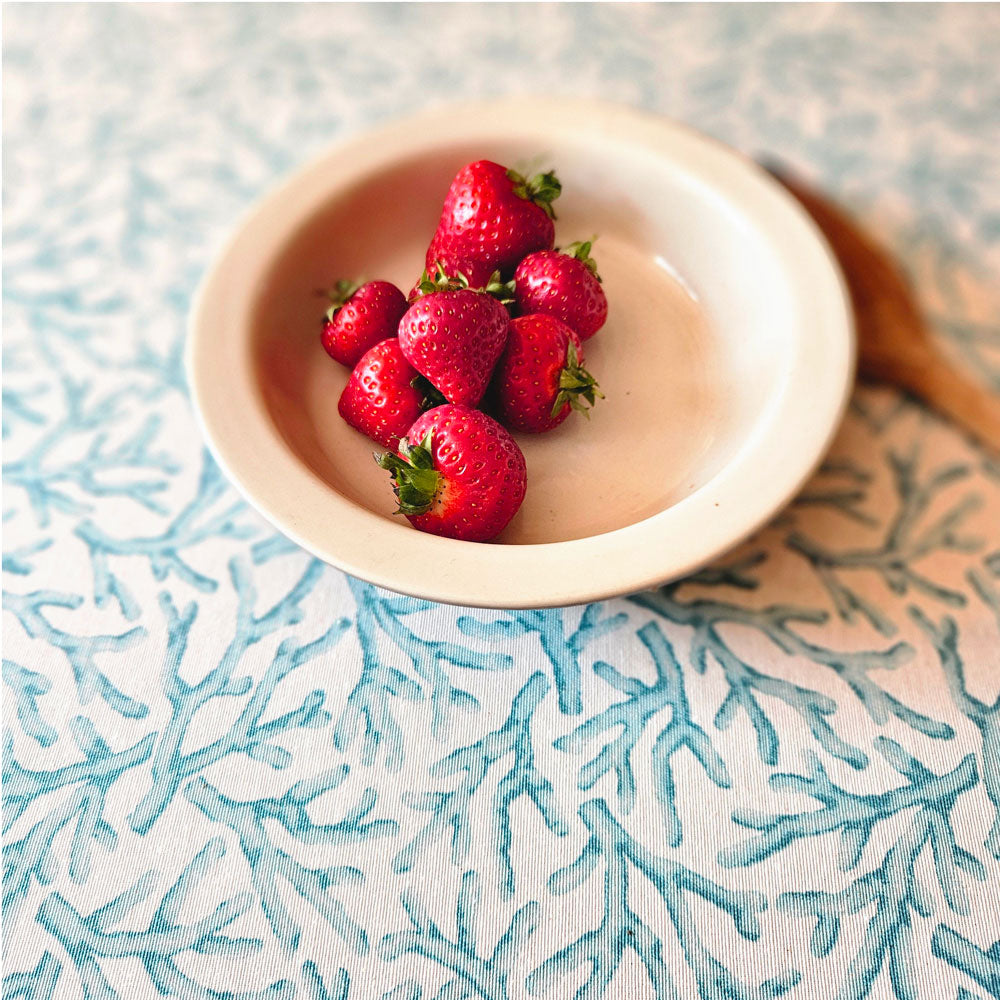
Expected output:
(502, 291)
(576, 386)
(438, 280)
(542, 189)
(441, 281)
(415, 480)
(581, 251)
(433, 396)
(340, 295)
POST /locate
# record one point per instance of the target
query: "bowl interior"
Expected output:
(699, 343)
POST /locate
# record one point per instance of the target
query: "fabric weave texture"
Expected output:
(232, 771)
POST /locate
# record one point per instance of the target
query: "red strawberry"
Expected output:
(492, 218)
(384, 395)
(541, 377)
(565, 285)
(360, 316)
(454, 337)
(458, 473)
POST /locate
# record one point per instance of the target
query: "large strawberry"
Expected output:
(384, 394)
(565, 285)
(359, 317)
(540, 377)
(458, 473)
(454, 337)
(493, 217)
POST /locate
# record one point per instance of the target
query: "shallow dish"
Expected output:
(726, 359)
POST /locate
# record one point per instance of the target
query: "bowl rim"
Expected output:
(672, 543)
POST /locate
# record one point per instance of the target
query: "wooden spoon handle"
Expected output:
(955, 395)
(894, 344)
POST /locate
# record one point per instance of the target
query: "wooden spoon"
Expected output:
(894, 341)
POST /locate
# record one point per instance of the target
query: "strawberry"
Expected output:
(541, 377)
(359, 317)
(565, 285)
(384, 394)
(493, 217)
(454, 335)
(458, 473)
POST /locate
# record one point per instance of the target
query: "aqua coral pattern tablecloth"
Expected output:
(231, 771)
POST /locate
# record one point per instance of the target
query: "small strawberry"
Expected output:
(565, 285)
(384, 394)
(541, 377)
(359, 317)
(453, 336)
(493, 217)
(458, 474)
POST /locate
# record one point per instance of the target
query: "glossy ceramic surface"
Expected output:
(726, 359)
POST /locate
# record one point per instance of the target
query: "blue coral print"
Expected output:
(232, 772)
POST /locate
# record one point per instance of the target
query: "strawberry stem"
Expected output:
(581, 251)
(542, 189)
(340, 295)
(576, 386)
(415, 480)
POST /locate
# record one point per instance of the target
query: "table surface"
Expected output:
(234, 772)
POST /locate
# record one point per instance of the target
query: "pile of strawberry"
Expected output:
(490, 338)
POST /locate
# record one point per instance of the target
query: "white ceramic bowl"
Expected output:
(726, 359)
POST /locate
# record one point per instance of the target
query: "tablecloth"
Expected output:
(232, 771)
